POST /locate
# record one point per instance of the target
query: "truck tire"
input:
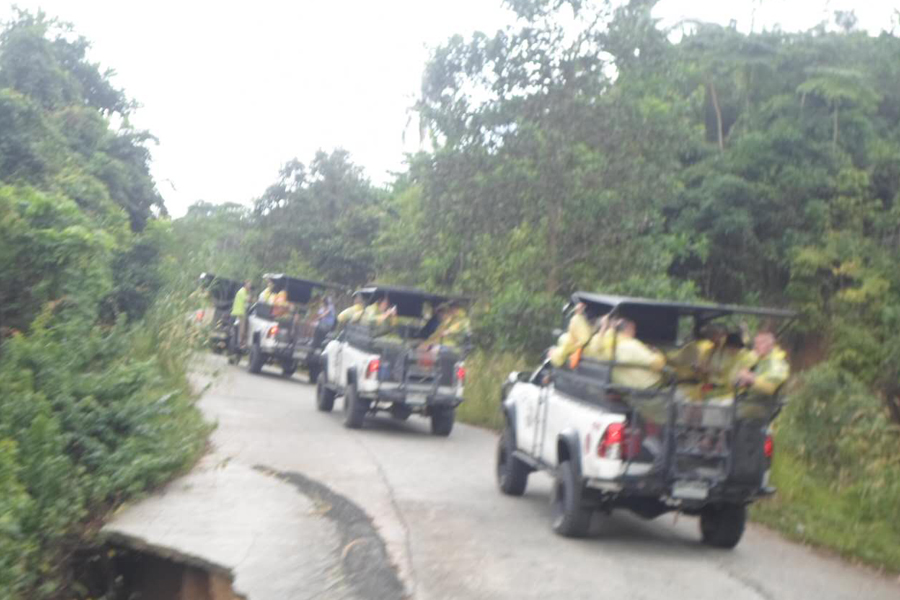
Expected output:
(232, 348)
(324, 396)
(512, 473)
(355, 408)
(314, 368)
(442, 421)
(257, 359)
(570, 517)
(288, 368)
(722, 525)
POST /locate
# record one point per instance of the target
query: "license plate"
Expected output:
(690, 490)
(415, 399)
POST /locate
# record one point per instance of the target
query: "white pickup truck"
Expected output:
(376, 370)
(285, 336)
(651, 451)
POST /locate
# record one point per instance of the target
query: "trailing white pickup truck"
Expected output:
(651, 451)
(379, 370)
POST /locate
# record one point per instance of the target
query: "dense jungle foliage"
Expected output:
(588, 147)
(93, 398)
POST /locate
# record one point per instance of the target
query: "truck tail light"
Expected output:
(273, 331)
(611, 442)
(373, 367)
(619, 442)
(461, 373)
(769, 447)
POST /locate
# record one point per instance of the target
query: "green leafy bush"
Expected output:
(94, 402)
(88, 417)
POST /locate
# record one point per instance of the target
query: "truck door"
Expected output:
(526, 415)
(336, 360)
(540, 432)
(528, 399)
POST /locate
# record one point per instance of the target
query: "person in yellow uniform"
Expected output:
(644, 364)
(239, 311)
(600, 346)
(573, 341)
(453, 328)
(268, 293)
(641, 368)
(280, 304)
(381, 316)
(762, 381)
(724, 364)
(691, 362)
(354, 313)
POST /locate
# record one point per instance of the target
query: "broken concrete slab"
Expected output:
(225, 516)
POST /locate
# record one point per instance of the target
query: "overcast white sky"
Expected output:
(235, 89)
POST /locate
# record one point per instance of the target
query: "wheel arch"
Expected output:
(569, 448)
(508, 408)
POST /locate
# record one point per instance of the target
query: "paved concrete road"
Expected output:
(453, 535)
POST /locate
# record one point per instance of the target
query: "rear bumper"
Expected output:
(285, 350)
(416, 398)
(655, 487)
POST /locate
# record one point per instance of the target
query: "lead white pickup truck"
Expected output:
(651, 451)
(376, 369)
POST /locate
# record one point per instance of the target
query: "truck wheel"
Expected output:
(355, 408)
(288, 368)
(232, 352)
(570, 517)
(442, 421)
(314, 368)
(723, 525)
(257, 359)
(512, 473)
(324, 396)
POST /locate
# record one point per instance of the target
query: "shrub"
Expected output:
(89, 415)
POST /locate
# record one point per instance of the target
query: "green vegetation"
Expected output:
(94, 406)
(586, 147)
(485, 373)
(582, 147)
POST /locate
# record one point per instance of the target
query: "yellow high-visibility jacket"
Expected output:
(772, 370)
(576, 337)
(351, 315)
(647, 363)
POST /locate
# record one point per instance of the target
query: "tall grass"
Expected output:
(837, 470)
(485, 374)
